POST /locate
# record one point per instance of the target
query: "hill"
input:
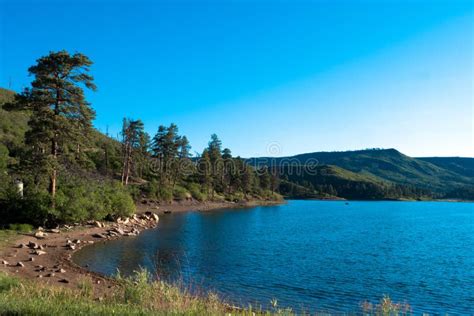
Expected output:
(381, 168)
(459, 165)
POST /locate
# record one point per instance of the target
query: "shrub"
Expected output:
(164, 194)
(195, 190)
(24, 228)
(33, 208)
(134, 191)
(79, 200)
(180, 193)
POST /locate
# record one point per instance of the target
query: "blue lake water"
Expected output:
(315, 255)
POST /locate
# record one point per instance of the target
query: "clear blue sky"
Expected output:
(269, 77)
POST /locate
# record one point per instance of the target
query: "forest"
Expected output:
(70, 172)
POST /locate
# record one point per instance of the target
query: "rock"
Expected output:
(167, 211)
(54, 231)
(31, 259)
(4, 262)
(64, 281)
(119, 231)
(98, 224)
(39, 252)
(39, 276)
(21, 246)
(90, 242)
(20, 264)
(40, 228)
(61, 271)
(50, 275)
(135, 217)
(76, 241)
(155, 217)
(33, 245)
(99, 235)
(40, 234)
(71, 247)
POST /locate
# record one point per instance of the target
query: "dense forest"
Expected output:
(70, 172)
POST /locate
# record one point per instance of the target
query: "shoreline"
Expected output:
(45, 256)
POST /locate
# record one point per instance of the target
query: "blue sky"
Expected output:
(269, 77)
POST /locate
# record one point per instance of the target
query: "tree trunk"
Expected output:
(52, 186)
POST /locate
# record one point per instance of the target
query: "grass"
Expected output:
(136, 295)
(7, 236)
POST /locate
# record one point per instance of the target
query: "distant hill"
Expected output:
(459, 165)
(381, 167)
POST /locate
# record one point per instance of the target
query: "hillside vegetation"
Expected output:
(378, 173)
(71, 172)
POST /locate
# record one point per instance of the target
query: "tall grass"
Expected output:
(136, 295)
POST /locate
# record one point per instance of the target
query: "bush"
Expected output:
(164, 194)
(78, 201)
(180, 193)
(150, 189)
(24, 228)
(134, 191)
(33, 208)
(195, 190)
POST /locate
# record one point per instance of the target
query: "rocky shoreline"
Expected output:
(46, 255)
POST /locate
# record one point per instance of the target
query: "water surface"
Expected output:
(315, 255)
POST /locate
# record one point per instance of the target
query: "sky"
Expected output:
(271, 78)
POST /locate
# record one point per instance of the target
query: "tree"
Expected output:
(215, 148)
(166, 146)
(132, 140)
(61, 117)
(205, 171)
(228, 169)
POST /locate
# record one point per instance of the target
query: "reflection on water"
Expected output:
(311, 254)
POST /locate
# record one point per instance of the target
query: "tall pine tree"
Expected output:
(61, 117)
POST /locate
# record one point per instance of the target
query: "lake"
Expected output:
(311, 255)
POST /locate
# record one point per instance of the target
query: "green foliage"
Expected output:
(61, 117)
(180, 193)
(81, 200)
(24, 228)
(134, 191)
(438, 175)
(165, 193)
(33, 208)
(327, 181)
(195, 190)
(77, 200)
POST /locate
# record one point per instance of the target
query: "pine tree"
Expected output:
(61, 117)
(132, 136)
(205, 172)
